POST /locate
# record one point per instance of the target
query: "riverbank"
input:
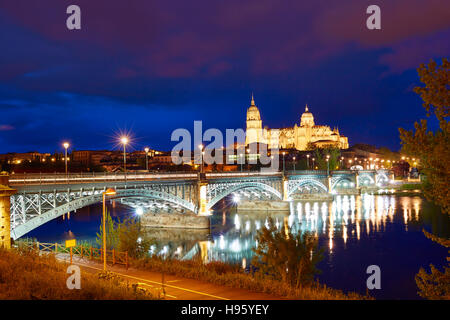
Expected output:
(233, 276)
(26, 275)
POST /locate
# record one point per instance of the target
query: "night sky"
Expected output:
(150, 67)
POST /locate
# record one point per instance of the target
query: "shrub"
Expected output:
(283, 256)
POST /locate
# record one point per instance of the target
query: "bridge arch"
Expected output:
(382, 177)
(294, 185)
(242, 185)
(340, 180)
(96, 197)
(365, 179)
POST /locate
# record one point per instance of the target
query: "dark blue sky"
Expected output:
(150, 67)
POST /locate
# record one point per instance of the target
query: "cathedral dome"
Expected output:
(253, 112)
(307, 119)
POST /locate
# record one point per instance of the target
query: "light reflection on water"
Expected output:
(345, 218)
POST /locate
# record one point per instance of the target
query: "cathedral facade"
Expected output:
(297, 137)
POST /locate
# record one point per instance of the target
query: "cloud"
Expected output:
(179, 39)
(6, 127)
(199, 57)
(411, 53)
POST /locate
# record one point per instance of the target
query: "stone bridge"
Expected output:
(28, 201)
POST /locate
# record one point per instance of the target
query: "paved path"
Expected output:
(176, 288)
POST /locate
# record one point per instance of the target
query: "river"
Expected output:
(355, 232)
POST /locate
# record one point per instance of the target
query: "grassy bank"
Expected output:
(233, 276)
(25, 275)
(411, 186)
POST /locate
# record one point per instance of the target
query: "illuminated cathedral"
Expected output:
(298, 137)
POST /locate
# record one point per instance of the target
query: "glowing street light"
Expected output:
(124, 141)
(328, 164)
(294, 163)
(66, 146)
(108, 192)
(307, 161)
(284, 153)
(146, 158)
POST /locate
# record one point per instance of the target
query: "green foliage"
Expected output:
(125, 235)
(321, 158)
(286, 257)
(435, 285)
(432, 148)
(411, 186)
(112, 233)
(132, 238)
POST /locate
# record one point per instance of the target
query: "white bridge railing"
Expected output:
(94, 177)
(18, 179)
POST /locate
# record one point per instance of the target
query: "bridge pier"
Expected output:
(356, 180)
(202, 198)
(5, 212)
(285, 188)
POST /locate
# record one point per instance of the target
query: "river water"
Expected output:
(355, 231)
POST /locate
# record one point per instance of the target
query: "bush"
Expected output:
(132, 240)
(286, 257)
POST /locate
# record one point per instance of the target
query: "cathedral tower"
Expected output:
(307, 119)
(254, 124)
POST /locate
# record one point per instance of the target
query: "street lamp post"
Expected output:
(294, 163)
(124, 141)
(66, 146)
(200, 146)
(146, 158)
(328, 165)
(284, 153)
(240, 155)
(307, 161)
(108, 192)
(314, 159)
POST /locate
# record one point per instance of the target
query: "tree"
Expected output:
(432, 148)
(132, 238)
(280, 255)
(321, 158)
(434, 285)
(112, 234)
(401, 169)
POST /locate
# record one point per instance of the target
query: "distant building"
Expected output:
(296, 137)
(17, 158)
(161, 158)
(92, 157)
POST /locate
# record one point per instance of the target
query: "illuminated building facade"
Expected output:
(297, 137)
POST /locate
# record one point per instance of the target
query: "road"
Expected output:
(176, 288)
